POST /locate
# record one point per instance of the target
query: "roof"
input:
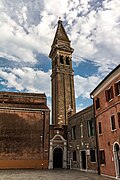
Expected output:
(61, 40)
(82, 112)
(105, 79)
(60, 33)
(25, 94)
(23, 100)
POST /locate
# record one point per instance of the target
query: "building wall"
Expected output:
(79, 144)
(24, 130)
(103, 114)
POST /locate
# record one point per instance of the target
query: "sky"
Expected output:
(27, 29)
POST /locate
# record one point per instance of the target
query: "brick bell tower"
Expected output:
(63, 95)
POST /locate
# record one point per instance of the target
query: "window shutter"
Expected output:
(106, 94)
(116, 89)
(88, 124)
(112, 95)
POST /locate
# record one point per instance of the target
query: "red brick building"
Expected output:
(24, 130)
(106, 97)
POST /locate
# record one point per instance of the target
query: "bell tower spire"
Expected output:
(62, 77)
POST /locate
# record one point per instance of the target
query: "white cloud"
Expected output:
(22, 35)
(27, 28)
(84, 86)
(56, 7)
(26, 79)
(80, 107)
(93, 29)
(96, 35)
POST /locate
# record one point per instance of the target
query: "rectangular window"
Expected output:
(102, 156)
(99, 128)
(81, 130)
(61, 60)
(92, 155)
(119, 119)
(109, 94)
(97, 102)
(74, 156)
(113, 127)
(67, 61)
(117, 88)
(74, 132)
(91, 128)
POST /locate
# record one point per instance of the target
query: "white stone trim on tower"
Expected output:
(61, 143)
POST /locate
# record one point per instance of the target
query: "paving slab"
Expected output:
(49, 175)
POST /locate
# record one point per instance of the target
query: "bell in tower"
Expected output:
(62, 78)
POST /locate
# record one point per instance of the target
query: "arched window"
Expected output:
(61, 60)
(67, 61)
(55, 61)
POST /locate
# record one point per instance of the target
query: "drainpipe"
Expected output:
(96, 137)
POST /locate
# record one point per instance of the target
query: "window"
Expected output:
(56, 61)
(67, 61)
(117, 88)
(5, 96)
(109, 94)
(97, 103)
(74, 132)
(74, 156)
(90, 128)
(113, 127)
(99, 128)
(61, 60)
(92, 155)
(102, 156)
(119, 119)
(81, 130)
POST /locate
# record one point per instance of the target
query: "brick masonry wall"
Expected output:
(80, 144)
(108, 137)
(24, 135)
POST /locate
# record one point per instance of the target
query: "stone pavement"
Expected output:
(48, 175)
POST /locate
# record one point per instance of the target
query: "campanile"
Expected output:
(62, 77)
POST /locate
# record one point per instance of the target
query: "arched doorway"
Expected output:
(116, 149)
(57, 158)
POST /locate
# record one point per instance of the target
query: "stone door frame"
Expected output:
(116, 160)
(54, 143)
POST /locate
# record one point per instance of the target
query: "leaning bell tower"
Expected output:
(62, 77)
